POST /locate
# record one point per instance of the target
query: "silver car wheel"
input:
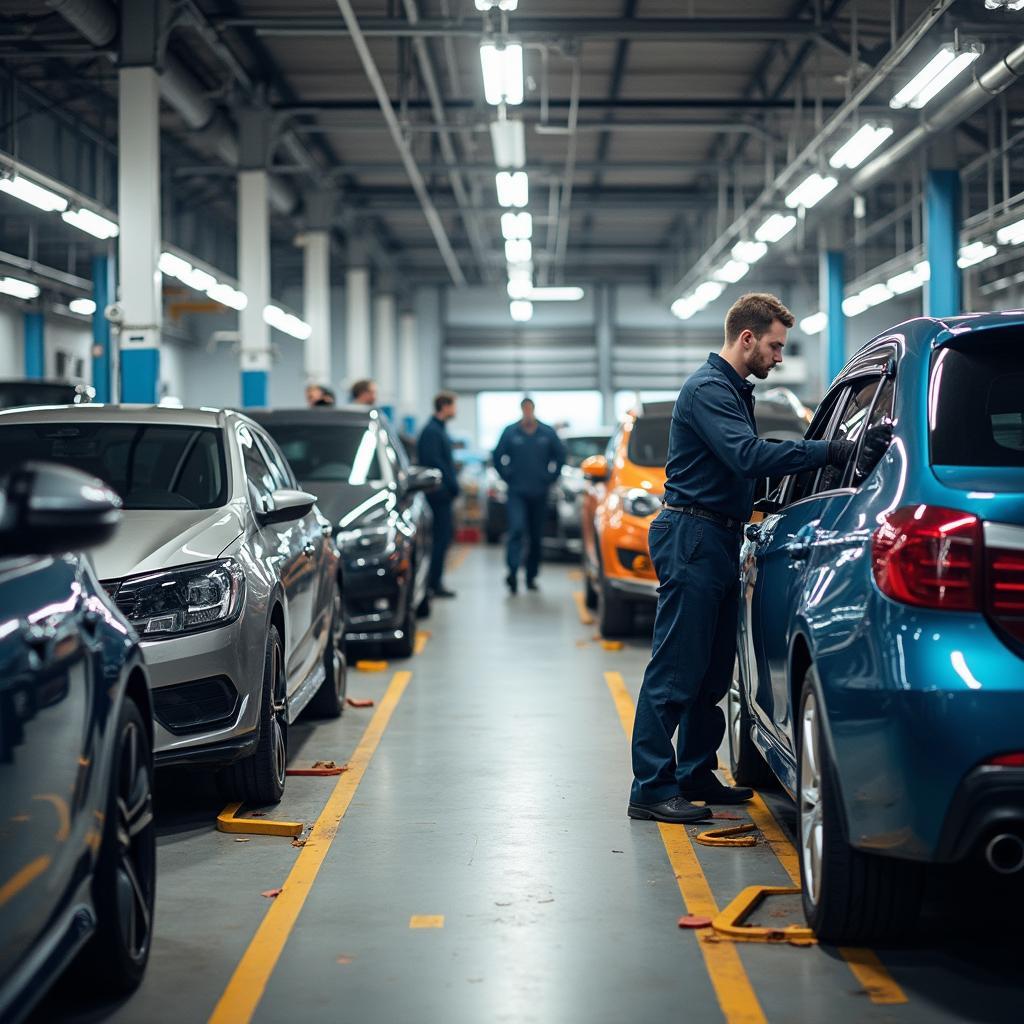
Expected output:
(733, 711)
(280, 750)
(811, 824)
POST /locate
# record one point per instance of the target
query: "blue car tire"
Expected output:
(849, 896)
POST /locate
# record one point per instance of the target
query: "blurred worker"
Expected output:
(714, 457)
(528, 458)
(434, 449)
(363, 392)
(317, 394)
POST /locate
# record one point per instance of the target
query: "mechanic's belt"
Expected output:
(703, 513)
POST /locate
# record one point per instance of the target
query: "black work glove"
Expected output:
(876, 442)
(839, 453)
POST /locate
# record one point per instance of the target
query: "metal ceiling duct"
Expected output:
(974, 96)
(97, 20)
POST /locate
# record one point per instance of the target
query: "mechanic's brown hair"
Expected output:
(360, 387)
(442, 399)
(755, 312)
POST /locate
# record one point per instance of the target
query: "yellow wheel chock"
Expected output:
(228, 822)
(729, 921)
(734, 836)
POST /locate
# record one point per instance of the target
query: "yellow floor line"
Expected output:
(864, 964)
(581, 606)
(422, 636)
(457, 557)
(426, 921)
(245, 989)
(736, 996)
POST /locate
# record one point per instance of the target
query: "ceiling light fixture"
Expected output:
(854, 305)
(91, 223)
(86, 307)
(286, 322)
(200, 280)
(502, 66)
(501, 5)
(936, 75)
(731, 271)
(519, 288)
(861, 145)
(905, 282)
(508, 139)
(811, 191)
(976, 252)
(566, 293)
(518, 250)
(516, 225)
(814, 324)
(708, 292)
(29, 192)
(777, 226)
(513, 188)
(174, 266)
(684, 308)
(520, 310)
(19, 289)
(749, 252)
(876, 294)
(1012, 234)
(228, 296)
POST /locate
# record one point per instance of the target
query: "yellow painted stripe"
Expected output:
(22, 878)
(736, 996)
(422, 636)
(426, 921)
(864, 964)
(457, 557)
(247, 984)
(581, 606)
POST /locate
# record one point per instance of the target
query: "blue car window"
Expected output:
(800, 484)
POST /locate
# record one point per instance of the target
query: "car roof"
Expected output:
(655, 409)
(937, 331)
(358, 415)
(98, 413)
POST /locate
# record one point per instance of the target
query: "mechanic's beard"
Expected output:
(759, 368)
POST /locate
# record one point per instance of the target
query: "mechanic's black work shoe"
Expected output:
(442, 592)
(512, 583)
(532, 585)
(711, 791)
(675, 811)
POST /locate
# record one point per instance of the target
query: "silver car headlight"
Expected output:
(638, 502)
(184, 600)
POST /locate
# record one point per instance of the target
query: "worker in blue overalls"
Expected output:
(714, 458)
(528, 458)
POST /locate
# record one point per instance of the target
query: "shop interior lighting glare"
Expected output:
(19, 289)
(876, 294)
(935, 76)
(520, 310)
(29, 192)
(708, 292)
(501, 5)
(200, 280)
(1004, 5)
(563, 293)
(91, 223)
(508, 139)
(286, 322)
(513, 188)
(86, 307)
(860, 145)
(749, 252)
(228, 296)
(516, 225)
(502, 66)
(811, 191)
(519, 288)
(1012, 234)
(518, 250)
(905, 282)
(174, 266)
(854, 305)
(976, 252)
(814, 324)
(684, 308)
(777, 226)
(731, 271)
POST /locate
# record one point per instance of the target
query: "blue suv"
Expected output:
(77, 846)
(880, 668)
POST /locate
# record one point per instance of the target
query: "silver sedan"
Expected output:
(224, 568)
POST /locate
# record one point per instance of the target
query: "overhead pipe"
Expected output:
(419, 186)
(95, 19)
(995, 80)
(565, 206)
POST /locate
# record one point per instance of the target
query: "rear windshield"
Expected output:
(20, 393)
(648, 441)
(579, 448)
(342, 453)
(150, 467)
(976, 406)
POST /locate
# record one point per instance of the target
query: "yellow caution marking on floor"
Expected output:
(735, 835)
(22, 878)
(736, 996)
(730, 921)
(612, 645)
(249, 981)
(422, 636)
(228, 821)
(864, 964)
(371, 666)
(426, 921)
(581, 606)
(457, 557)
(575, 574)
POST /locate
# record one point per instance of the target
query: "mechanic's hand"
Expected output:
(839, 453)
(876, 442)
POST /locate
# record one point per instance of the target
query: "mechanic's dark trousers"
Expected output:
(444, 528)
(692, 656)
(525, 520)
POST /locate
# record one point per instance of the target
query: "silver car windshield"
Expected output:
(345, 453)
(150, 466)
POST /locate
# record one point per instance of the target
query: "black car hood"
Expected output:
(356, 503)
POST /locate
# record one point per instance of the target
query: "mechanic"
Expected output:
(318, 395)
(714, 458)
(363, 392)
(434, 449)
(528, 458)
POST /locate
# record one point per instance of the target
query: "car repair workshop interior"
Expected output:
(511, 512)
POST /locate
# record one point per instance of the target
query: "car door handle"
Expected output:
(752, 531)
(798, 550)
(309, 550)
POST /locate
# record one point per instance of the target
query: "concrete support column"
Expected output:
(35, 350)
(942, 291)
(385, 361)
(408, 363)
(831, 284)
(605, 335)
(254, 280)
(138, 173)
(102, 294)
(316, 282)
(357, 323)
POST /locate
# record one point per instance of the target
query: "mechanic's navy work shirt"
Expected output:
(434, 448)
(529, 463)
(714, 453)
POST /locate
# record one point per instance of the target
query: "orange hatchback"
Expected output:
(623, 494)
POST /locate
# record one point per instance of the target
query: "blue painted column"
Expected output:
(831, 283)
(942, 292)
(102, 292)
(35, 353)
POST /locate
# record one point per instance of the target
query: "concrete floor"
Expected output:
(496, 800)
